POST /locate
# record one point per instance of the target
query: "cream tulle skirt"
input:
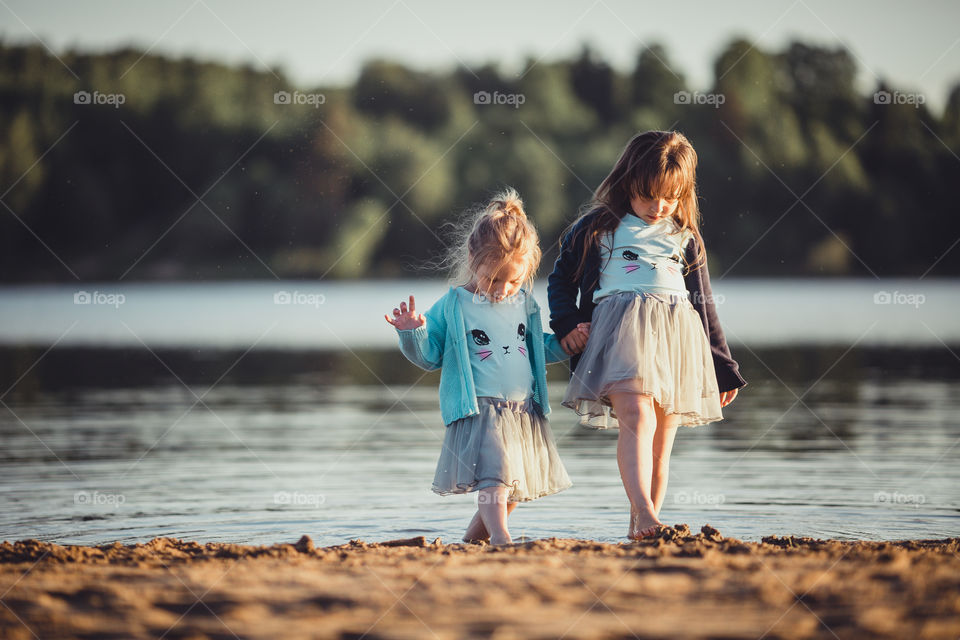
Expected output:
(645, 343)
(509, 443)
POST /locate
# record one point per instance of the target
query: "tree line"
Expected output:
(132, 166)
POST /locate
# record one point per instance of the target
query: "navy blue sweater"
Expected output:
(566, 313)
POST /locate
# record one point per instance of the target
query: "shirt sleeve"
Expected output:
(553, 351)
(701, 295)
(562, 288)
(423, 346)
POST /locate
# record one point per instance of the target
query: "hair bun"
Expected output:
(509, 202)
(514, 207)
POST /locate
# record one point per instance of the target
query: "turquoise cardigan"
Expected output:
(441, 343)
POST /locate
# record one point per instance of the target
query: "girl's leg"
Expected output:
(493, 513)
(638, 425)
(476, 531)
(662, 447)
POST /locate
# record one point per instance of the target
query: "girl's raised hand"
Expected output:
(406, 318)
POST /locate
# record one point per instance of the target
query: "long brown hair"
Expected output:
(654, 164)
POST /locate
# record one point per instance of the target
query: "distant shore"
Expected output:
(678, 585)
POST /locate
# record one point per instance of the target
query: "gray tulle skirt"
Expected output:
(509, 443)
(651, 344)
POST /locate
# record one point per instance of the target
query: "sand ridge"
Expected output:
(678, 584)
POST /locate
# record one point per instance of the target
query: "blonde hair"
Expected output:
(498, 233)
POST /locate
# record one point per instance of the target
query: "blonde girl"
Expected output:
(486, 336)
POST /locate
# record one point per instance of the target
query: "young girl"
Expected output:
(486, 337)
(657, 357)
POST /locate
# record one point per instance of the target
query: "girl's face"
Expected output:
(652, 210)
(499, 281)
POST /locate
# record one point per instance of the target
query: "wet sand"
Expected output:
(679, 585)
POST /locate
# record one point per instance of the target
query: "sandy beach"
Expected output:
(679, 585)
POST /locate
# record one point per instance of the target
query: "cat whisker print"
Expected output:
(481, 338)
(632, 257)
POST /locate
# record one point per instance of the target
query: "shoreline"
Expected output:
(679, 584)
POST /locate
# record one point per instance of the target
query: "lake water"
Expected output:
(257, 412)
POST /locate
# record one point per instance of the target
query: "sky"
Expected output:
(914, 46)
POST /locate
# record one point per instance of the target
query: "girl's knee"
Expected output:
(634, 410)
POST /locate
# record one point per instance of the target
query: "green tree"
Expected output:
(654, 83)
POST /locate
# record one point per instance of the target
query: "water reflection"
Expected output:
(126, 444)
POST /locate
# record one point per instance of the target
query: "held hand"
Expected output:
(406, 318)
(584, 328)
(574, 342)
(726, 397)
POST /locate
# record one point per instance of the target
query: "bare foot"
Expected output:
(476, 532)
(649, 532)
(643, 524)
(498, 540)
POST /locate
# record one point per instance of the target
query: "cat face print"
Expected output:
(482, 340)
(633, 262)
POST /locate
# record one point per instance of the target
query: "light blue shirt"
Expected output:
(496, 341)
(441, 343)
(645, 257)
